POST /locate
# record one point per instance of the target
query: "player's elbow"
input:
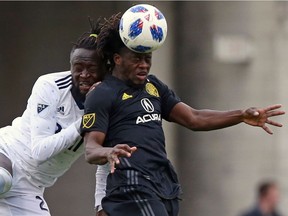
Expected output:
(196, 127)
(37, 156)
(193, 124)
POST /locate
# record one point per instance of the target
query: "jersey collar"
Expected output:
(125, 83)
(78, 97)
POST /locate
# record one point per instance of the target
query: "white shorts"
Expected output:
(24, 198)
(24, 205)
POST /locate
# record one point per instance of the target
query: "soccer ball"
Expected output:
(143, 28)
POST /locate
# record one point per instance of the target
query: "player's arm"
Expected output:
(95, 153)
(100, 189)
(204, 120)
(42, 105)
(98, 106)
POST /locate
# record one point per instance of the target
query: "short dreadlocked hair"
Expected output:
(88, 40)
(109, 41)
(264, 188)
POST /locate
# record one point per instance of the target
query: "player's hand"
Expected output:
(101, 213)
(120, 150)
(93, 87)
(259, 117)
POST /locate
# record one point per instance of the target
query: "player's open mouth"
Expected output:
(142, 75)
(84, 86)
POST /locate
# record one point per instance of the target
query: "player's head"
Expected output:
(121, 61)
(86, 65)
(268, 192)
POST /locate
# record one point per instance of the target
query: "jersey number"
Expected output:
(75, 147)
(42, 203)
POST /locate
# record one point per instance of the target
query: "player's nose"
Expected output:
(144, 64)
(85, 73)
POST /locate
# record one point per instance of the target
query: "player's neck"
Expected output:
(78, 97)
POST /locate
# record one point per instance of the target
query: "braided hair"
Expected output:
(109, 41)
(88, 40)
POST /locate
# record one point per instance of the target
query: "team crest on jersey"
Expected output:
(152, 90)
(126, 96)
(88, 120)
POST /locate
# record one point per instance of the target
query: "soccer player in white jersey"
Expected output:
(42, 144)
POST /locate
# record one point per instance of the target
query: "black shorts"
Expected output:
(138, 201)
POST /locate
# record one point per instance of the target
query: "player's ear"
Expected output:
(117, 59)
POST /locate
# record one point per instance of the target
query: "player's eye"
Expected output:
(136, 59)
(93, 69)
(78, 68)
(148, 59)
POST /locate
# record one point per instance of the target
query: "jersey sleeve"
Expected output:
(43, 107)
(100, 189)
(168, 97)
(98, 105)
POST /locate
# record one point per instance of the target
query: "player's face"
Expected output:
(134, 66)
(86, 69)
(273, 196)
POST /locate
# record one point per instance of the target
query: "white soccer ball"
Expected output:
(143, 28)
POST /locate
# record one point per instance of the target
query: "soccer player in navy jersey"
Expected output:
(122, 125)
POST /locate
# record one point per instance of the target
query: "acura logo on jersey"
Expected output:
(147, 105)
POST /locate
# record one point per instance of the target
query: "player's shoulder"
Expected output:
(102, 92)
(109, 86)
(152, 79)
(60, 80)
(103, 88)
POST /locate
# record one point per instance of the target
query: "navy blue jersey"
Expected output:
(133, 116)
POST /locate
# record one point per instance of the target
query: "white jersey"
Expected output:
(45, 140)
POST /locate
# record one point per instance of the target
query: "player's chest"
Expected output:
(139, 107)
(67, 112)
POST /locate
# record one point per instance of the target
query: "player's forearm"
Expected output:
(205, 120)
(96, 154)
(45, 147)
(100, 189)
